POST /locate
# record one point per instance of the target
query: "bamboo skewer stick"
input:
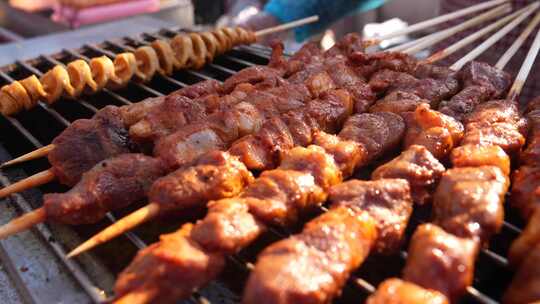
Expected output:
(440, 19)
(496, 12)
(505, 58)
(471, 38)
(525, 69)
(35, 180)
(38, 153)
(493, 39)
(23, 222)
(125, 224)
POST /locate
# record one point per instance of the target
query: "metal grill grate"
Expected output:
(95, 272)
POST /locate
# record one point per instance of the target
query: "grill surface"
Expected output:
(90, 277)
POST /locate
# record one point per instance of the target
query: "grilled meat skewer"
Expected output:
(298, 184)
(387, 201)
(193, 186)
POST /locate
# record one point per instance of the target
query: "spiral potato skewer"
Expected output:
(190, 50)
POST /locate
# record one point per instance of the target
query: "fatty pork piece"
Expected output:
(313, 266)
(397, 291)
(388, 201)
(220, 129)
(440, 261)
(525, 195)
(469, 201)
(263, 149)
(502, 134)
(416, 165)
(379, 133)
(149, 275)
(347, 154)
(214, 176)
(495, 111)
(86, 142)
(495, 123)
(477, 156)
(177, 111)
(110, 185)
(437, 132)
(525, 287)
(527, 240)
(298, 185)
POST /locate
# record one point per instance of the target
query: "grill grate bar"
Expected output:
(113, 55)
(17, 125)
(512, 227)
(237, 60)
(76, 271)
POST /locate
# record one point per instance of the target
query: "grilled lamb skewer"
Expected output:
(312, 266)
(193, 186)
(387, 200)
(469, 216)
(299, 183)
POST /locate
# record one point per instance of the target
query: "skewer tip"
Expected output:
(23, 222)
(125, 224)
(35, 180)
(41, 152)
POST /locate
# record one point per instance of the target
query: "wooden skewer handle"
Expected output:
(125, 224)
(35, 180)
(41, 152)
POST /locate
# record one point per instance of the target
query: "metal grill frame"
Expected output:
(241, 57)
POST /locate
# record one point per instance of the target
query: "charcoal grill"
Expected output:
(34, 262)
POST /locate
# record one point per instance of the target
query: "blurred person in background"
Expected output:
(256, 15)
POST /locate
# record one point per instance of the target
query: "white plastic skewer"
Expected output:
(471, 38)
(525, 69)
(286, 26)
(505, 58)
(496, 12)
(493, 39)
(443, 18)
